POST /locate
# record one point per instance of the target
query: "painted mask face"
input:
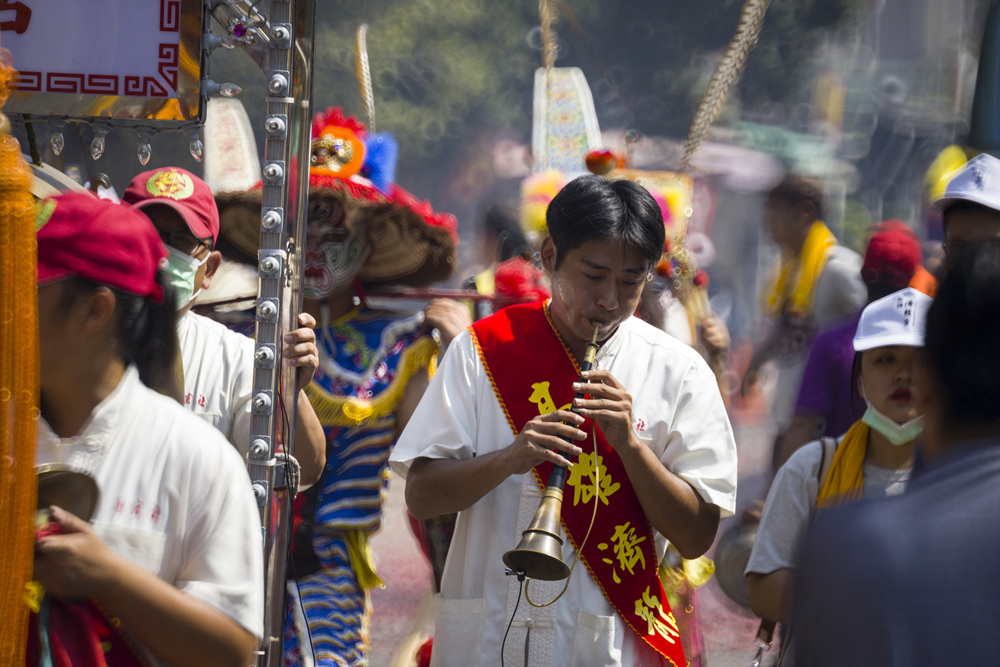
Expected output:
(334, 255)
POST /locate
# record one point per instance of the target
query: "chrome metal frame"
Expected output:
(288, 63)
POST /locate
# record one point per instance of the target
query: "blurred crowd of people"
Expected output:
(884, 404)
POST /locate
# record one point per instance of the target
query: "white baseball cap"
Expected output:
(977, 182)
(898, 319)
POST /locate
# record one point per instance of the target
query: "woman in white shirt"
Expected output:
(872, 459)
(173, 553)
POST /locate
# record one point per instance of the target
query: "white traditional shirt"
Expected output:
(218, 376)
(175, 498)
(677, 411)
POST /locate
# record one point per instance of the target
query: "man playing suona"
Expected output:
(496, 418)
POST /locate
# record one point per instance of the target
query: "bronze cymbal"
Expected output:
(73, 491)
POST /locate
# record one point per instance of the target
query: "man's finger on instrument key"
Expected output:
(598, 401)
(601, 376)
(560, 461)
(563, 416)
(553, 436)
(557, 430)
(556, 455)
(601, 389)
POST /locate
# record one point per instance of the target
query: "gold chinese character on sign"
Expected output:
(583, 477)
(543, 399)
(649, 609)
(625, 550)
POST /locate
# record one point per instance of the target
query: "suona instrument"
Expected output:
(539, 553)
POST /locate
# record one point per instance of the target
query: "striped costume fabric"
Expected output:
(338, 612)
(366, 359)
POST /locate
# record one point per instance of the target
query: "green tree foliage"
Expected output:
(448, 73)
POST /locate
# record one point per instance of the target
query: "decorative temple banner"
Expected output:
(122, 59)
(565, 126)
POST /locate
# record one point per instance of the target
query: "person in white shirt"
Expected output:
(174, 554)
(654, 400)
(218, 363)
(873, 459)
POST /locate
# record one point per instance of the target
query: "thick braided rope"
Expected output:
(725, 76)
(18, 389)
(363, 73)
(550, 48)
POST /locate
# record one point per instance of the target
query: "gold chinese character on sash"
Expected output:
(649, 609)
(625, 551)
(543, 399)
(583, 477)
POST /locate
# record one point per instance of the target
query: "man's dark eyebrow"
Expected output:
(600, 267)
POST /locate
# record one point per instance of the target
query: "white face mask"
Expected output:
(897, 434)
(182, 269)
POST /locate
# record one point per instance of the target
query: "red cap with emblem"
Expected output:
(182, 191)
(101, 241)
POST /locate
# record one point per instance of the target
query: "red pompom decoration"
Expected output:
(602, 161)
(701, 279)
(334, 116)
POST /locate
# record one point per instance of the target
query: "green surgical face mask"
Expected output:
(182, 269)
(897, 434)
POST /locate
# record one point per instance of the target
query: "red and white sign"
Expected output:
(106, 48)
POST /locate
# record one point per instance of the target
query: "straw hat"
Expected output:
(351, 175)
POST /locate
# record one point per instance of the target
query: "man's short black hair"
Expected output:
(592, 208)
(794, 190)
(963, 335)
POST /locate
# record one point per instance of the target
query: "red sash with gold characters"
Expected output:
(532, 373)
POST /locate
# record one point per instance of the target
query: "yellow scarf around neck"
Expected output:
(801, 272)
(843, 481)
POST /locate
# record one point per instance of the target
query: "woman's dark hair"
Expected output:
(962, 338)
(855, 376)
(592, 208)
(147, 332)
(794, 190)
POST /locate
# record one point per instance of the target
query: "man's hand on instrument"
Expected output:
(75, 564)
(449, 317)
(301, 351)
(542, 439)
(609, 405)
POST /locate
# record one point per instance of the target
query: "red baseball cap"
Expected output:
(180, 190)
(893, 254)
(101, 241)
